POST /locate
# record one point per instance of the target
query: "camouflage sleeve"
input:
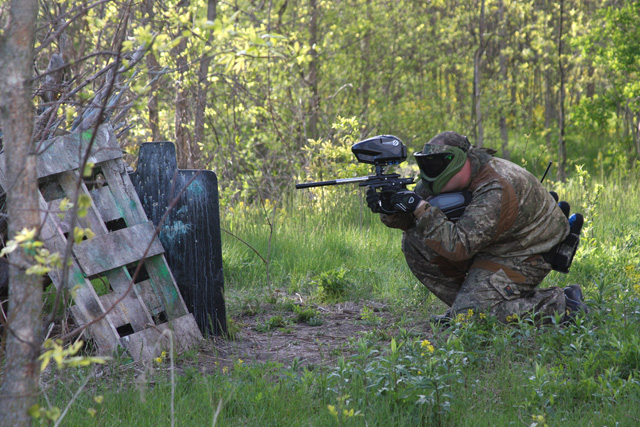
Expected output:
(492, 211)
(400, 220)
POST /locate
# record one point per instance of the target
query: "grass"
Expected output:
(474, 373)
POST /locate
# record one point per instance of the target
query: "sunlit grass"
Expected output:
(478, 372)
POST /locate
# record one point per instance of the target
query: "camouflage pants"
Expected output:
(501, 286)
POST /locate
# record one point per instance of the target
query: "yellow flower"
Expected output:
(427, 344)
(92, 412)
(159, 359)
(332, 410)
(483, 316)
(98, 399)
(512, 318)
(225, 370)
(240, 361)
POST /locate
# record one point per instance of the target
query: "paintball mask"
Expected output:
(438, 164)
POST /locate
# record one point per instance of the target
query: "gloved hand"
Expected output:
(373, 200)
(380, 202)
(405, 201)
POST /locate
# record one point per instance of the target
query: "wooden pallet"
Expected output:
(102, 267)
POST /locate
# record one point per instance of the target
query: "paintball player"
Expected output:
(494, 256)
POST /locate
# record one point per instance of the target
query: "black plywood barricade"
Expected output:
(190, 232)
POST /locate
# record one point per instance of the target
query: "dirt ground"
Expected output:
(304, 345)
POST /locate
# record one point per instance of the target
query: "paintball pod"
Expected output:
(386, 150)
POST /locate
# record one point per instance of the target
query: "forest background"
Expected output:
(268, 93)
(242, 87)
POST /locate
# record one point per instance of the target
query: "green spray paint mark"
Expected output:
(77, 278)
(87, 134)
(196, 188)
(175, 231)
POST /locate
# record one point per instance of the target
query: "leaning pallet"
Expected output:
(151, 312)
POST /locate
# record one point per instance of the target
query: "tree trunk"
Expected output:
(636, 133)
(19, 390)
(562, 148)
(314, 103)
(203, 87)
(365, 72)
(548, 108)
(477, 80)
(504, 132)
(182, 118)
(152, 64)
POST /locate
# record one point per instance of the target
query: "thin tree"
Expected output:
(504, 131)
(19, 389)
(562, 148)
(312, 79)
(477, 79)
(203, 83)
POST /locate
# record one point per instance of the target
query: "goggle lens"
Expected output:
(432, 165)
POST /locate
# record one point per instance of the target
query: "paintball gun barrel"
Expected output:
(380, 151)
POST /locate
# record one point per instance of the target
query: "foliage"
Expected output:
(64, 358)
(274, 322)
(268, 93)
(308, 315)
(332, 285)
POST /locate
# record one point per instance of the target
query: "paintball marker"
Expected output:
(381, 151)
(385, 150)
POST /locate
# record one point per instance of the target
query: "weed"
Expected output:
(274, 322)
(305, 315)
(315, 321)
(331, 285)
(368, 316)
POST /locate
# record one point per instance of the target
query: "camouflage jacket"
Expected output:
(510, 214)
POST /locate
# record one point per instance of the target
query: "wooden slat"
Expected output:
(88, 305)
(62, 218)
(165, 287)
(126, 199)
(102, 200)
(126, 312)
(105, 203)
(108, 253)
(106, 339)
(117, 249)
(146, 293)
(65, 153)
(93, 219)
(151, 342)
(133, 305)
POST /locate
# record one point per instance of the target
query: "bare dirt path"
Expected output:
(304, 345)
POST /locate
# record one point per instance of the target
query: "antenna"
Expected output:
(545, 172)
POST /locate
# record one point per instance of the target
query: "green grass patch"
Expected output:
(477, 372)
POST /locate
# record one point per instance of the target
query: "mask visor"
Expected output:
(433, 164)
